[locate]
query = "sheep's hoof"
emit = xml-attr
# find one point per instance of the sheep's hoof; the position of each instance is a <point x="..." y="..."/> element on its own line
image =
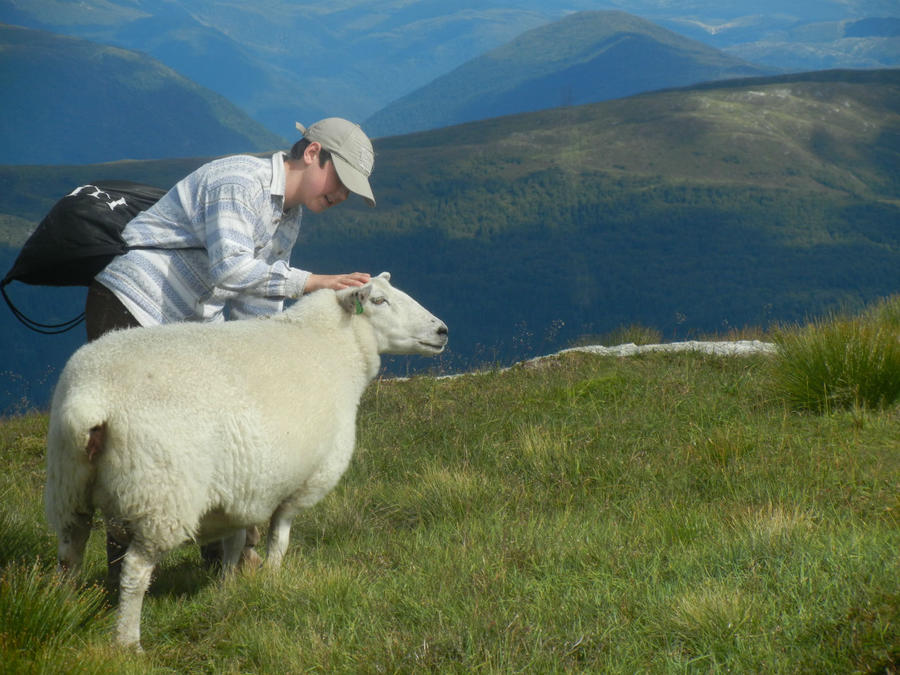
<point x="133" y="646"/>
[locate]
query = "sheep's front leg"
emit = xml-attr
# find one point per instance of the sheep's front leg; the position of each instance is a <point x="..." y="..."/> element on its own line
<point x="279" y="536"/>
<point x="232" y="546"/>
<point x="135" y="579"/>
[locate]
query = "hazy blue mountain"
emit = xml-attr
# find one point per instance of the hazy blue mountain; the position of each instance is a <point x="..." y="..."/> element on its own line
<point x="583" y="58"/>
<point x="694" y="211"/>
<point x="283" y="61"/>
<point x="873" y="27"/>
<point x="72" y="101"/>
<point x="873" y="42"/>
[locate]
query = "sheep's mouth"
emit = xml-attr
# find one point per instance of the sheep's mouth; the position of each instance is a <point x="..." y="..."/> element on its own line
<point x="434" y="347"/>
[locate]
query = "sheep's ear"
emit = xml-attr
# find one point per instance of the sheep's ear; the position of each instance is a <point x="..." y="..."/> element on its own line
<point x="384" y="275"/>
<point x="353" y="299"/>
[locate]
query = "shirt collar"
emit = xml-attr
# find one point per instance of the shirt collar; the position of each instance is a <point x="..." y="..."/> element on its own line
<point x="277" y="187"/>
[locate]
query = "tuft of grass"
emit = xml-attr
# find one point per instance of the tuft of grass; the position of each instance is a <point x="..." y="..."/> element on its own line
<point x="635" y="333"/>
<point x="886" y="313"/>
<point x="40" y="611"/>
<point x="23" y="533"/>
<point x="841" y="362"/>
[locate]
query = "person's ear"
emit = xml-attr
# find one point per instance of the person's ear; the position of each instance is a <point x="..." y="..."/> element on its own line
<point x="311" y="153"/>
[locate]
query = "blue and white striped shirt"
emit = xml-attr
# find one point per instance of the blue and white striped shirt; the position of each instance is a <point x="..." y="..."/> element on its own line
<point x="231" y="212"/>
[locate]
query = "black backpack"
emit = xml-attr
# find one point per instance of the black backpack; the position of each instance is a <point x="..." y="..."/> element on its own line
<point x="80" y="235"/>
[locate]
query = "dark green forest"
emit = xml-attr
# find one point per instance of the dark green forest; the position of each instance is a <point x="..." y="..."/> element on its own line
<point x="695" y="212"/>
<point x="686" y="260"/>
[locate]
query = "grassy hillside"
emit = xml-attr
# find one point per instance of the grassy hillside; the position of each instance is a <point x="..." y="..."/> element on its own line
<point x="693" y="211"/>
<point x="80" y="102"/>
<point x="583" y="58"/>
<point x="660" y="513"/>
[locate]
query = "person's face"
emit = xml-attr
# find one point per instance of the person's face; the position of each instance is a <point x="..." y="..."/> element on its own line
<point x="322" y="188"/>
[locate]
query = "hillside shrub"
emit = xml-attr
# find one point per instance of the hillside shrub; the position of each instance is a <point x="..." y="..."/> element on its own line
<point x="841" y="362"/>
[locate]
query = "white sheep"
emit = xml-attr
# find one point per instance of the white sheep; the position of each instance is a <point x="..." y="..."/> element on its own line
<point x="192" y="432"/>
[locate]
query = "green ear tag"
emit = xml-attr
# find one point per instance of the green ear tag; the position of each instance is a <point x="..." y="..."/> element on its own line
<point x="359" y="307"/>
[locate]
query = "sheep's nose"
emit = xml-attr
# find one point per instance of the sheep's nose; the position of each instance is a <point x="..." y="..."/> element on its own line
<point x="442" y="329"/>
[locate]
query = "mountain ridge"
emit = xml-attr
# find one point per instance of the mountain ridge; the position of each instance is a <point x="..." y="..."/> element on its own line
<point x="302" y="61"/>
<point x="585" y="57"/>
<point x="118" y="104"/>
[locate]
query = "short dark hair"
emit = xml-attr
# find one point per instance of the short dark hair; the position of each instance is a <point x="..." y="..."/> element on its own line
<point x="300" y="147"/>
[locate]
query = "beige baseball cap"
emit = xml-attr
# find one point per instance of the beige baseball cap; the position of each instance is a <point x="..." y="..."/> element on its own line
<point x="351" y="151"/>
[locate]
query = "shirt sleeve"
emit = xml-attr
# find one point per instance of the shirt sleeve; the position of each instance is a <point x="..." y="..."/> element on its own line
<point x="235" y="218"/>
<point x="248" y="307"/>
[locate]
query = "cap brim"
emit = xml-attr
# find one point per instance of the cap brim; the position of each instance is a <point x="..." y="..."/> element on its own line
<point x="352" y="179"/>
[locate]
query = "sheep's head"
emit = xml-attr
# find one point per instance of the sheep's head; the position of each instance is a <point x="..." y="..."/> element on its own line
<point x="402" y="325"/>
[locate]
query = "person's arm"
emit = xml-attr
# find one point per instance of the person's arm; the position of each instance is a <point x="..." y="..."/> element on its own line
<point x="246" y="307"/>
<point x="233" y="217"/>
<point x="335" y="281"/>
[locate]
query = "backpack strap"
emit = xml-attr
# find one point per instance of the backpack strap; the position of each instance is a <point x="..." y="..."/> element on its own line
<point x="36" y="326"/>
<point x="65" y="326"/>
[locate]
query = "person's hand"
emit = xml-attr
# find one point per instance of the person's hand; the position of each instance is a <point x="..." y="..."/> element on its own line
<point x="335" y="281"/>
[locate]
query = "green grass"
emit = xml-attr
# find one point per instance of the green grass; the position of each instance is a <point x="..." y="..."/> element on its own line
<point x="631" y="333"/>
<point x="842" y="361"/>
<point x="666" y="513"/>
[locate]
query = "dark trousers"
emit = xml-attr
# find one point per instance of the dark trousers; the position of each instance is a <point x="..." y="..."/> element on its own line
<point x="104" y="312"/>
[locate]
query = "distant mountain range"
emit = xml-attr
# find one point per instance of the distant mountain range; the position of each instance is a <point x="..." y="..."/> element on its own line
<point x="71" y="101"/>
<point x="873" y="42"/>
<point x="694" y="211"/>
<point x="584" y="58"/>
<point x="283" y="61"/>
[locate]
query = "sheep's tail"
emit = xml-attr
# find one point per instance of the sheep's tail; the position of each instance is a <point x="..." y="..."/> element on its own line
<point x="75" y="440"/>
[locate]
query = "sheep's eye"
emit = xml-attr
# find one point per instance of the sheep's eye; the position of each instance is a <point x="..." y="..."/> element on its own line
<point x="379" y="301"/>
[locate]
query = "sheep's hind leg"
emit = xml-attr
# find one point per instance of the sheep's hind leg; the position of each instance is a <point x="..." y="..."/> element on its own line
<point x="136" y="570"/>
<point x="117" y="540"/>
<point x="72" y="541"/>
